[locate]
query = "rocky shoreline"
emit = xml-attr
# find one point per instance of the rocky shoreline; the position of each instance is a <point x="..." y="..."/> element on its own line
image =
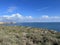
<point x="19" y="35"/>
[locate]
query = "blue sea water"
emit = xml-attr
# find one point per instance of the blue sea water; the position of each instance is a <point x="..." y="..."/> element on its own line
<point x="48" y="25"/>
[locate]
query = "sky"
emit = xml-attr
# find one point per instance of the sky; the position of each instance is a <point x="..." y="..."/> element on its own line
<point x="30" y="10"/>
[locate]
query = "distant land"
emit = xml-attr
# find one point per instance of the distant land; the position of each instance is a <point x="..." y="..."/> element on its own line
<point x="7" y="22"/>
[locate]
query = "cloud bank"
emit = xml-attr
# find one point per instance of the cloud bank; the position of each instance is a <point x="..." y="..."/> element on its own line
<point x="20" y="18"/>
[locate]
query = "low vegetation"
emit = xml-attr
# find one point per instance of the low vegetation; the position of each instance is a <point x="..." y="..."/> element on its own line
<point x="19" y="35"/>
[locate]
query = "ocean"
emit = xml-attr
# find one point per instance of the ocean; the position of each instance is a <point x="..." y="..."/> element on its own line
<point x="44" y="25"/>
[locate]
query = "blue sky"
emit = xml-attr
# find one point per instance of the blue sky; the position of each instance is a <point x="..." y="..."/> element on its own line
<point x="31" y="10"/>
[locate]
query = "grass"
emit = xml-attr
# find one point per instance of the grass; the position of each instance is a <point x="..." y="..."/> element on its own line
<point x="20" y="35"/>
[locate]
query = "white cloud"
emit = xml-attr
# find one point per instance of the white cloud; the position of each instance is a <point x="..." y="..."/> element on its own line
<point x="50" y="17"/>
<point x="42" y="9"/>
<point x="20" y="18"/>
<point x="29" y="17"/>
<point x="11" y="9"/>
<point x="16" y="17"/>
<point x="45" y="16"/>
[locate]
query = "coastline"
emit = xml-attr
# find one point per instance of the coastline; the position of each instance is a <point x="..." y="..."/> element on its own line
<point x="49" y="26"/>
<point x="7" y="22"/>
